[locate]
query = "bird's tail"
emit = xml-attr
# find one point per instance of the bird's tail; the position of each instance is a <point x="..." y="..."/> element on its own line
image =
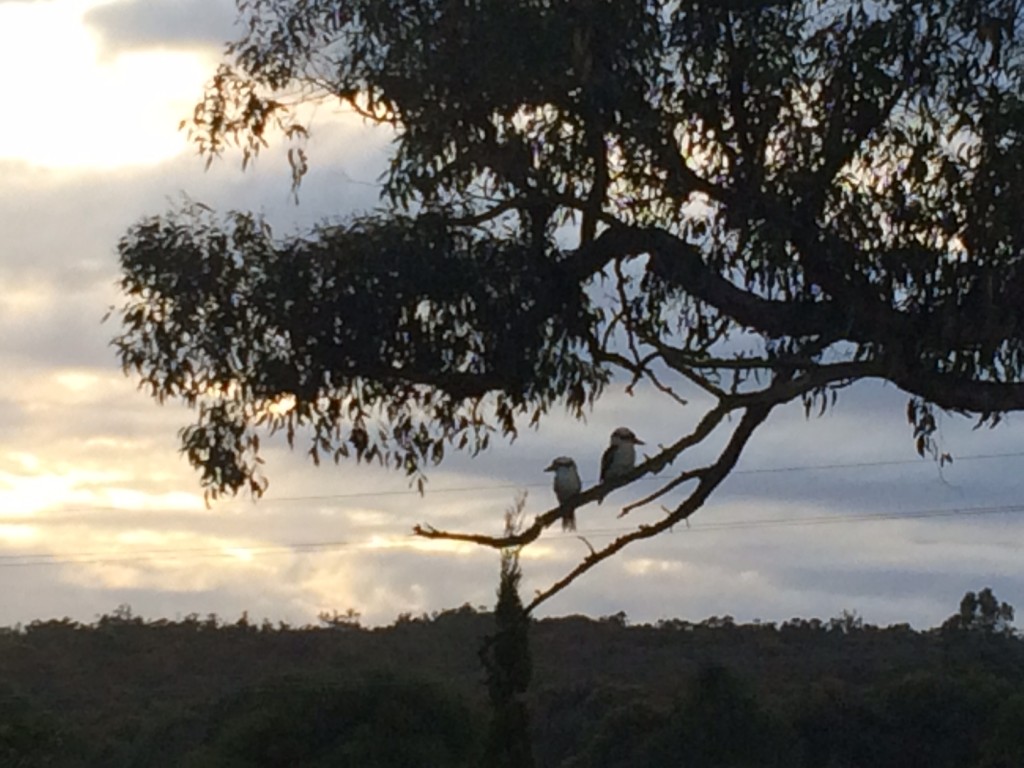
<point x="569" y="520"/>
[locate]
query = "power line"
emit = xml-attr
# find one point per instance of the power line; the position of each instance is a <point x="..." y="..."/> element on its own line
<point x="796" y="522"/>
<point x="650" y="478"/>
<point x="880" y="463"/>
<point x="246" y="552"/>
<point x="516" y="486"/>
<point x="235" y="552"/>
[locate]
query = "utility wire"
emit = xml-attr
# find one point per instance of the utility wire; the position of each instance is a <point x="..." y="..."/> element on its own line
<point x="237" y="552"/>
<point x="790" y="522"/>
<point x="234" y="552"/>
<point x="652" y="478"/>
<point x="516" y="486"/>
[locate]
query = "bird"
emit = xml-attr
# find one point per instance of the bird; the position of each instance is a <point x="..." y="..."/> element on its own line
<point x="620" y="455"/>
<point x="567" y="485"/>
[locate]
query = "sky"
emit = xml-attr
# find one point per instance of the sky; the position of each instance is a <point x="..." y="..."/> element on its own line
<point x="98" y="508"/>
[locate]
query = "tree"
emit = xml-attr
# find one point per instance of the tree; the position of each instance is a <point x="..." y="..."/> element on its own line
<point x="982" y="613"/>
<point x="507" y="661"/>
<point x="349" y="620"/>
<point x="718" y="723"/>
<point x="379" y="723"/>
<point x="31" y="737"/>
<point x="757" y="201"/>
<point x="1003" y="746"/>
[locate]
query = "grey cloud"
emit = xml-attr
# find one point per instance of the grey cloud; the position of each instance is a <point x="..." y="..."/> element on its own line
<point x="134" y="24"/>
<point x="51" y="328"/>
<point x="896" y="584"/>
<point x="13" y="415"/>
<point x="60" y="236"/>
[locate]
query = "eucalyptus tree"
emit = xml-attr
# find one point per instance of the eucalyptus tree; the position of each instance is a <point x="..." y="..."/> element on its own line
<point x="764" y="201"/>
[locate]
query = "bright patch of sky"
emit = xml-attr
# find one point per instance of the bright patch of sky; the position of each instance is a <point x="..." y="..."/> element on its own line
<point x="74" y="107"/>
<point x="97" y="508"/>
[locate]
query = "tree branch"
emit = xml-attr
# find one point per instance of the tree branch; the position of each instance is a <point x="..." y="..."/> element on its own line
<point x="958" y="394"/>
<point x="685" y="477"/>
<point x="780" y="391"/>
<point x="714" y="475"/>
<point x="681" y="263"/>
<point x="652" y="465"/>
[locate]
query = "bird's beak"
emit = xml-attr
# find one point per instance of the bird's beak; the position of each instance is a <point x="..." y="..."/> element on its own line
<point x="638" y="441"/>
<point x="550" y="468"/>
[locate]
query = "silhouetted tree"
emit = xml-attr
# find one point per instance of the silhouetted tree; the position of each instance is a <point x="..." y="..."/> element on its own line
<point x="30" y="738"/>
<point x="382" y="723"/>
<point x="718" y="723"/>
<point x="507" y="660"/>
<point x="1003" y="746"/>
<point x="176" y="694"/>
<point x="620" y="737"/>
<point x="348" y="620"/>
<point x="982" y="613"/>
<point x="934" y="720"/>
<point x="777" y="198"/>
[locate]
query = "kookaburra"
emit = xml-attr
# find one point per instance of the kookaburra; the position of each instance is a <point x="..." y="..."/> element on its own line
<point x="620" y="455"/>
<point x="567" y="485"/>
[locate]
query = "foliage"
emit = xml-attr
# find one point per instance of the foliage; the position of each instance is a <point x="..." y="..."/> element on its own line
<point x="718" y="723"/>
<point x="620" y="737"/>
<point x="764" y="199"/>
<point x="133" y="692"/>
<point x="30" y="738"/>
<point x="379" y="724"/>
<point x="340" y="621"/>
<point x="506" y="659"/>
<point x="1003" y="746"/>
<point x="982" y="613"/>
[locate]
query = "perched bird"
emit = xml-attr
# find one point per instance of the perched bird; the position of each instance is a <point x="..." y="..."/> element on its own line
<point x="620" y="455"/>
<point x="567" y="485"/>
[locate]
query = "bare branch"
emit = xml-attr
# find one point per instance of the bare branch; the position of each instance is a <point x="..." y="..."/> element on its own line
<point x="752" y="418"/>
<point x="665" y="388"/>
<point x="704" y="383"/>
<point x="780" y="391"/>
<point x="511" y="204"/>
<point x="652" y="465"/>
<point x="681" y="360"/>
<point x="685" y="477"/>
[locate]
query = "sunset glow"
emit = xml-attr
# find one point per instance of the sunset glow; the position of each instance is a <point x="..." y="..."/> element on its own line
<point x="100" y="506"/>
<point x="77" y="110"/>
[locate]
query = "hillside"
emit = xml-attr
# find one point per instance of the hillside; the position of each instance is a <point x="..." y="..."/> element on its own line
<point x="128" y="692"/>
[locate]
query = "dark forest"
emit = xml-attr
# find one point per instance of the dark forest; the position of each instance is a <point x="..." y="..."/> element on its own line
<point x="127" y="691"/>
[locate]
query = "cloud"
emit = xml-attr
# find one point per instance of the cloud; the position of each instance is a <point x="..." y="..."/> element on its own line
<point x="81" y="108"/>
<point x="126" y="25"/>
<point x="88" y="464"/>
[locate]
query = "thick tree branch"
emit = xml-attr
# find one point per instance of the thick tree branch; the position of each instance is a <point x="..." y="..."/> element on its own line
<point x="681" y="264"/>
<point x="858" y="320"/>
<point x="957" y="394"/>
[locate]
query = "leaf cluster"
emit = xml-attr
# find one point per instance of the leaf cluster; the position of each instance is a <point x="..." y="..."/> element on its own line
<point x="767" y="200"/>
<point x="414" y="334"/>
